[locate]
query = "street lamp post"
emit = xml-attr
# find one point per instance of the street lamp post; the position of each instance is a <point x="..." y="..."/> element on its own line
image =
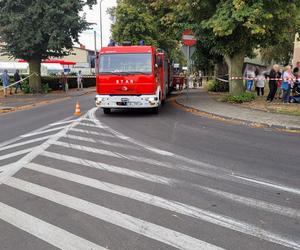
<point x="101" y="38"/>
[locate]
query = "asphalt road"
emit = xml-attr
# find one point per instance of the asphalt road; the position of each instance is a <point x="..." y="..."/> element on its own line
<point x="135" y="180"/>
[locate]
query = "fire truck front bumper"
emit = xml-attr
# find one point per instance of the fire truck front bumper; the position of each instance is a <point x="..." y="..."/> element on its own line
<point x="140" y="101"/>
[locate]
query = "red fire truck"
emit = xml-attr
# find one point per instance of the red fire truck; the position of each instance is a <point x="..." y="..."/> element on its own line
<point x="132" y="77"/>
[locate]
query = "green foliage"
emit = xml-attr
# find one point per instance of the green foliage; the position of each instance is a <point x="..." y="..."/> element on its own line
<point x="245" y="97"/>
<point x="35" y="30"/>
<point x="234" y="28"/>
<point x="151" y="21"/>
<point x="46" y="89"/>
<point x="25" y="87"/>
<point x="41" y="29"/>
<point x="217" y="86"/>
<point x="53" y="82"/>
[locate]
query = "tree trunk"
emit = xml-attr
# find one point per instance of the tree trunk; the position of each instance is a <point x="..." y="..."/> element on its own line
<point x="35" y="82"/>
<point x="235" y="68"/>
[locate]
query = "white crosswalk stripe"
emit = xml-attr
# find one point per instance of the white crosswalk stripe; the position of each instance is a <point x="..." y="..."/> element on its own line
<point x="83" y="131"/>
<point x="43" y="230"/>
<point x="43" y="132"/>
<point x="108" y="168"/>
<point x="153" y="231"/>
<point x="24" y="143"/>
<point x="17" y="153"/>
<point x="113" y="144"/>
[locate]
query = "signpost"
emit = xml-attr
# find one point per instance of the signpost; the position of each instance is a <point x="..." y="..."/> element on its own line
<point x="189" y="40"/>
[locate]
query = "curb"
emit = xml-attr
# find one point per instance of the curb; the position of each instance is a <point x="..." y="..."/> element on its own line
<point x="234" y="120"/>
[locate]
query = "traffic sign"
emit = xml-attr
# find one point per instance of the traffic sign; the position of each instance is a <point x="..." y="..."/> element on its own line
<point x="188" y="38"/>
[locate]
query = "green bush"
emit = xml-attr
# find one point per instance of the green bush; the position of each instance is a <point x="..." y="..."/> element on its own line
<point x="217" y="86"/>
<point x="25" y="86"/>
<point x="46" y="89"/>
<point x="246" y="97"/>
<point x="53" y="82"/>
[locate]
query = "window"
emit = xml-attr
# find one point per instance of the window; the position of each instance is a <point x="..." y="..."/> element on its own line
<point x="126" y="63"/>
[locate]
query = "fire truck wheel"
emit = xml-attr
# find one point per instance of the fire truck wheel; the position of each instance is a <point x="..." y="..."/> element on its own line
<point x="106" y="111"/>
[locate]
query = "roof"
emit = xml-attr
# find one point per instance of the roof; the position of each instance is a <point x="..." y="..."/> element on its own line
<point x="53" y="61"/>
<point x="127" y="49"/>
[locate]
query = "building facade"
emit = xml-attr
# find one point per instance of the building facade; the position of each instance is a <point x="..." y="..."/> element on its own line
<point x="296" y="57"/>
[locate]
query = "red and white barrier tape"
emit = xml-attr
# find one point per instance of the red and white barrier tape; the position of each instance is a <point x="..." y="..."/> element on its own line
<point x="15" y="83"/>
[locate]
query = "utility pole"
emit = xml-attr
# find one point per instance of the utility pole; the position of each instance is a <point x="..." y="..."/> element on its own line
<point x="95" y="41"/>
<point x="101" y="31"/>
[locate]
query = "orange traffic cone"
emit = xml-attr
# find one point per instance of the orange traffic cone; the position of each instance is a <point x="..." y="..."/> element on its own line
<point x="77" y="109"/>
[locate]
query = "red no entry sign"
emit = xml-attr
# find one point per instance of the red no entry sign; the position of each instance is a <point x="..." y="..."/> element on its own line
<point x="188" y="38"/>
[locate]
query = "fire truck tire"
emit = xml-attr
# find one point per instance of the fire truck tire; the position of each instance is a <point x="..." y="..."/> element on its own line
<point x="106" y="111"/>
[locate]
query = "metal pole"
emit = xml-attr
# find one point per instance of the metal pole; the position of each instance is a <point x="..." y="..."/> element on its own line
<point x="95" y="41"/>
<point x="101" y="38"/>
<point x="95" y="58"/>
<point x="188" y="73"/>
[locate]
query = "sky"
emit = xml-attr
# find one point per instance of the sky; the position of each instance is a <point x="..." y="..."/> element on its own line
<point x="93" y="16"/>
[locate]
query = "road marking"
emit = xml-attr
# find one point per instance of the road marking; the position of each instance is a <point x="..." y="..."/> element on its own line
<point x="90" y="125"/>
<point x="170" y="205"/>
<point x="227" y="174"/>
<point x="49" y="233"/>
<point x="114" y="144"/>
<point x="61" y="123"/>
<point x="108" y="168"/>
<point x="42" y="132"/>
<point x="270" y="184"/>
<point x="24" y="143"/>
<point x="142" y="227"/>
<point x="33" y="154"/>
<point x="20" y="138"/>
<point x="87" y="149"/>
<point x="14" y="154"/>
<point x="129" y="157"/>
<point x="91" y="132"/>
<point x="269" y="207"/>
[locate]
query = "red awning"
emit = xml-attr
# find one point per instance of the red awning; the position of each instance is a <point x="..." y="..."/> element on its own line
<point x="62" y="62"/>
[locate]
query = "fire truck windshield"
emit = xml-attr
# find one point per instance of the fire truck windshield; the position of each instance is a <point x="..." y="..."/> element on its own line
<point x="126" y="63"/>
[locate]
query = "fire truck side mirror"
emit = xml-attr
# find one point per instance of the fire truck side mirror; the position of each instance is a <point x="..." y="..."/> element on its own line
<point x="159" y="62"/>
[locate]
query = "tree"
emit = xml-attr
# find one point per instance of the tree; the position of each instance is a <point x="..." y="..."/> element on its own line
<point x="132" y="24"/>
<point x="280" y="53"/>
<point x="35" y="30"/>
<point x="236" y="27"/>
<point x="149" y="20"/>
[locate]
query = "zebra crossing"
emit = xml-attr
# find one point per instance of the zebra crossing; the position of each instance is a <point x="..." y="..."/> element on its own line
<point x="78" y="184"/>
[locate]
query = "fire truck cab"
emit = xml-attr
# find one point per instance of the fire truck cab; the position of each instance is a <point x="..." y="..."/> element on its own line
<point x="131" y="77"/>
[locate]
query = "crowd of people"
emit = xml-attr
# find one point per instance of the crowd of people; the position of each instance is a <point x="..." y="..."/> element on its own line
<point x="282" y="83"/>
<point x="62" y="83"/>
<point x="6" y="82"/>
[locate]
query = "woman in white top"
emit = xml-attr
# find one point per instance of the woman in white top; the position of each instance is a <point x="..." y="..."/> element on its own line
<point x="260" y="84"/>
<point x="288" y="80"/>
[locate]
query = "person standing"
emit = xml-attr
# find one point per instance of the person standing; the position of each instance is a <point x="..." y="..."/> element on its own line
<point x="79" y="81"/>
<point x="5" y="82"/>
<point x="274" y="76"/>
<point x="17" y="80"/>
<point x="296" y="69"/>
<point x="260" y="84"/>
<point x="250" y="76"/>
<point x="287" y="84"/>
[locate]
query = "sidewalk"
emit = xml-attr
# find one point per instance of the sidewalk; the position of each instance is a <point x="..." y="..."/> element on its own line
<point x="25" y="101"/>
<point x="200" y="100"/>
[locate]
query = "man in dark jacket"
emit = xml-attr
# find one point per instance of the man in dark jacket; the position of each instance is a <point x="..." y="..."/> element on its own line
<point x="17" y="79"/>
<point x="274" y="77"/>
